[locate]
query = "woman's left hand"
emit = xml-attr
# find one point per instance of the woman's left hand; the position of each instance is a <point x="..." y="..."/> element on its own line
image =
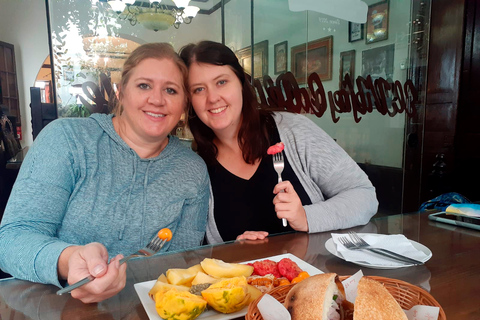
<point x="253" y="235"/>
<point x="289" y="206"/>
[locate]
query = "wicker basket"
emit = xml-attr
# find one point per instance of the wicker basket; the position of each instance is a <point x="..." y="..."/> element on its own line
<point x="406" y="294"/>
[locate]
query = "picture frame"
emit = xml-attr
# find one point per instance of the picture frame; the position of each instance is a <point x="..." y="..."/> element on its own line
<point x="314" y="56"/>
<point x="260" y="56"/>
<point x="378" y="62"/>
<point x="356" y="31"/>
<point x="347" y="65"/>
<point x="280" y="57"/>
<point x="377" y="22"/>
<point x="68" y="74"/>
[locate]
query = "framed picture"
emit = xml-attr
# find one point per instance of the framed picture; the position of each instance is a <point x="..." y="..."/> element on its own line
<point x="355" y="31"/>
<point x="347" y="65"/>
<point x="377" y="22"/>
<point x="280" y="57"/>
<point x="68" y="74"/>
<point x="378" y="62"/>
<point x="314" y="56"/>
<point x="260" y="59"/>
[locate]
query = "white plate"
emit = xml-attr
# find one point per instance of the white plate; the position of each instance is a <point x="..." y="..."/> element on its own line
<point x="330" y="246"/>
<point x="143" y="288"/>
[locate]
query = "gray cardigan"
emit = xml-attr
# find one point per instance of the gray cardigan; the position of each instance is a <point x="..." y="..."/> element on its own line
<point x="342" y="195"/>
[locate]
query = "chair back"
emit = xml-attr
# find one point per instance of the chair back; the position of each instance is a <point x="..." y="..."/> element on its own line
<point x="42" y="113"/>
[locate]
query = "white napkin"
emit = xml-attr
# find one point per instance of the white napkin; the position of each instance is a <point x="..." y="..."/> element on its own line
<point x="397" y="243"/>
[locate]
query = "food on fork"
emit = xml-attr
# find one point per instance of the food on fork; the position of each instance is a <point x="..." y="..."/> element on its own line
<point x="165" y="234"/>
<point x="276" y="148"/>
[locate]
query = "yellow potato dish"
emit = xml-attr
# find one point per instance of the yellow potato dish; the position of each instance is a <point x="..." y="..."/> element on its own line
<point x="179" y="305"/>
<point x="229" y="295"/>
<point x="227" y="290"/>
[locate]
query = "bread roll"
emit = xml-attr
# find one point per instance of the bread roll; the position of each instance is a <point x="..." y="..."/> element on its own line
<point x="375" y="302"/>
<point x="313" y="298"/>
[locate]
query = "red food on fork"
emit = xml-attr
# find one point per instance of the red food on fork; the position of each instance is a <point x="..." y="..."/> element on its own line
<point x="276" y="148"/>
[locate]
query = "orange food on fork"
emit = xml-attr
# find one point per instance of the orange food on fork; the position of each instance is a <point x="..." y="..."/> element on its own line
<point x="165" y="234"/>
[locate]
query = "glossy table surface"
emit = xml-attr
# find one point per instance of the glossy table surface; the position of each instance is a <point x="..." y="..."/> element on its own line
<point x="452" y="275"/>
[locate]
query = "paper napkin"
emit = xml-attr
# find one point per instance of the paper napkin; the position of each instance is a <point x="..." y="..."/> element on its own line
<point x="397" y="243"/>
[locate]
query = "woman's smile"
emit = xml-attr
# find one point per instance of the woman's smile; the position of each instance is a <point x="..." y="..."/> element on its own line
<point x="218" y="110"/>
<point x="216" y="96"/>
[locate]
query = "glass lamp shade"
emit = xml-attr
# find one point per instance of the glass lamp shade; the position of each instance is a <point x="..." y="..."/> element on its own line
<point x="191" y="11"/>
<point x="117" y="6"/>
<point x="181" y="3"/>
<point x="156" y="21"/>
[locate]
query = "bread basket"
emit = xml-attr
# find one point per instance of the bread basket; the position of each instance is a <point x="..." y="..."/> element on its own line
<point x="406" y="294"/>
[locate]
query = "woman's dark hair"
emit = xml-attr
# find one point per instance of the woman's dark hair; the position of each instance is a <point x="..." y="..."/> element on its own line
<point x="253" y="137"/>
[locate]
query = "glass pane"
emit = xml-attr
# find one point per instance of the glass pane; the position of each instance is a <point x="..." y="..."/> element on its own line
<point x="9" y="66"/>
<point x="3" y="78"/>
<point x="2" y="58"/>
<point x="238" y="15"/>
<point x="367" y="115"/>
<point x="86" y="75"/>
<point x="12" y="86"/>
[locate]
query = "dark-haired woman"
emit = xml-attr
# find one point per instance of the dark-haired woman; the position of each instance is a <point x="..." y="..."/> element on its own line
<point x="324" y="189"/>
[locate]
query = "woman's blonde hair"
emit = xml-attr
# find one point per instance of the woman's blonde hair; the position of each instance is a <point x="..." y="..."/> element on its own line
<point x="150" y="50"/>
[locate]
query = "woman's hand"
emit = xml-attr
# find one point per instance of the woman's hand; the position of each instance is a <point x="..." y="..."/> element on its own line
<point x="289" y="206"/>
<point x="92" y="259"/>
<point x="253" y="235"/>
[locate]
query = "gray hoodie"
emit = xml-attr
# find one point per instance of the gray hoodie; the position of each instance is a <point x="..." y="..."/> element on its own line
<point x="81" y="183"/>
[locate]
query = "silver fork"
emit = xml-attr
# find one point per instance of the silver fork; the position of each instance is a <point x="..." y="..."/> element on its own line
<point x="359" y="242"/>
<point x="352" y="246"/>
<point x="278" y="165"/>
<point x="149" y="250"/>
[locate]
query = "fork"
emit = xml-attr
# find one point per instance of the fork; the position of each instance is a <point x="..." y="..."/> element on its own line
<point x="352" y="246"/>
<point x="278" y="165"/>
<point x="359" y="242"/>
<point x="149" y="250"/>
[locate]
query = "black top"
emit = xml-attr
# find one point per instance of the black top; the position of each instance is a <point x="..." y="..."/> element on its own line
<point x="247" y="205"/>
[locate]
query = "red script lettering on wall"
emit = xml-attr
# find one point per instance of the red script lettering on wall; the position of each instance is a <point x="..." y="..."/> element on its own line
<point x="387" y="98"/>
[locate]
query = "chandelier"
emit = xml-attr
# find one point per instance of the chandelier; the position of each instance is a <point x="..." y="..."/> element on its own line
<point x="155" y="16"/>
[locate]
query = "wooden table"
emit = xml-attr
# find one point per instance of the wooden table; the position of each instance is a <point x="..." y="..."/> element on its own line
<point x="452" y="275"/>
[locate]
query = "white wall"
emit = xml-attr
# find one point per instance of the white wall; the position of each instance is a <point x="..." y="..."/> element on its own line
<point x="23" y="23"/>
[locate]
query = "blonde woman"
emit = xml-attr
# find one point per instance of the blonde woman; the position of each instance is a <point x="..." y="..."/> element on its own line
<point x="93" y="189"/>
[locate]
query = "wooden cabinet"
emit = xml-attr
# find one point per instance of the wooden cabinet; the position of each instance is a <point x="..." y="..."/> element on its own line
<point x="8" y="77"/>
